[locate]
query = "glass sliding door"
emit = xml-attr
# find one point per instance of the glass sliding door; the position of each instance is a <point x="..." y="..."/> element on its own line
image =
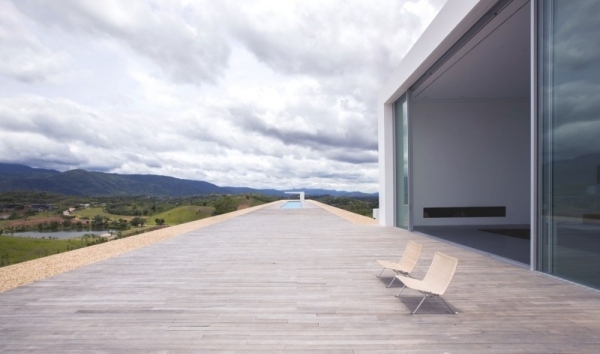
<point x="569" y="140"/>
<point x="401" y="161"/>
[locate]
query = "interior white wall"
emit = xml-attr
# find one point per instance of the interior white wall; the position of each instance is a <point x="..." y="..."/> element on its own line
<point x="471" y="153"/>
<point x="453" y="20"/>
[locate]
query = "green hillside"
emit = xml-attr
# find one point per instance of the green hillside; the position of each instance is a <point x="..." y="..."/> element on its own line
<point x="85" y="183"/>
<point x="182" y="214"/>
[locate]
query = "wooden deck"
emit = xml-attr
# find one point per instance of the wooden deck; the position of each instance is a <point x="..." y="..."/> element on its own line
<point x="293" y="280"/>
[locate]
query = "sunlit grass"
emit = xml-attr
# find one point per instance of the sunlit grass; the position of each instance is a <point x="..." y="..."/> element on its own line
<point x="182" y="214"/>
<point x="15" y="249"/>
<point x="91" y="212"/>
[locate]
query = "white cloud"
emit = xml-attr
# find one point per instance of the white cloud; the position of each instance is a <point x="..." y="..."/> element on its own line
<point x="185" y="42"/>
<point x="264" y="94"/>
<point x="22" y="55"/>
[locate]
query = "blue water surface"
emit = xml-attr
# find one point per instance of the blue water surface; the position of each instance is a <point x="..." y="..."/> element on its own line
<point x="292" y="205"/>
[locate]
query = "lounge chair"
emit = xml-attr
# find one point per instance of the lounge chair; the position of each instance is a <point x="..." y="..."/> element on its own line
<point x="436" y="280"/>
<point x="407" y="262"/>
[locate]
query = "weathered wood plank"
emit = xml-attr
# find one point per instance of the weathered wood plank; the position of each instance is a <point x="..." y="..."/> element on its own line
<point x="299" y="281"/>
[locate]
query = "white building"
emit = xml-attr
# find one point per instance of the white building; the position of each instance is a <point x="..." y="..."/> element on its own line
<point x="492" y="122"/>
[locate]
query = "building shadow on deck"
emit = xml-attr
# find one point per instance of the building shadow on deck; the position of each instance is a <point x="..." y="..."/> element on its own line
<point x="507" y="241"/>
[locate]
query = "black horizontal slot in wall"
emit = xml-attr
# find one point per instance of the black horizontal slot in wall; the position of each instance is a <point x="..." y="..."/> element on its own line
<point x="464" y="212"/>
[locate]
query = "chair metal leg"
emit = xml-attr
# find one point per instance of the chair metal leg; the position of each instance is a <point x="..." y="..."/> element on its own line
<point x="401" y="291"/>
<point x="420" y="303"/>
<point x="392" y="282"/>
<point x="379" y="276"/>
<point x="450" y="308"/>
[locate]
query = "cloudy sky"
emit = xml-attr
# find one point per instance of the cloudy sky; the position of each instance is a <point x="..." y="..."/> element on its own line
<point x="263" y="94"/>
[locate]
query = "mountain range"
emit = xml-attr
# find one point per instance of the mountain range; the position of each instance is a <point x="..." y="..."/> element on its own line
<point x="88" y="183"/>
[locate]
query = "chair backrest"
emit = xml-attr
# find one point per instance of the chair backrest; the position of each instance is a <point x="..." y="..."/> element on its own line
<point x="440" y="273"/>
<point x="410" y="256"/>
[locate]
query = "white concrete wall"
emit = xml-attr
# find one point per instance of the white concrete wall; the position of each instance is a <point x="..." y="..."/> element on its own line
<point x="453" y="20"/>
<point x="385" y="137"/>
<point x="471" y="154"/>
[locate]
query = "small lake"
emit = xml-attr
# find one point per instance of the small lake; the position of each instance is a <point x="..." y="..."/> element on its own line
<point x="57" y="234"/>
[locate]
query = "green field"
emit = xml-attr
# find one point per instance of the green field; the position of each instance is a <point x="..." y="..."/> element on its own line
<point x="29" y="218"/>
<point x="20" y="249"/>
<point x="91" y="212"/>
<point x="178" y="215"/>
<point x="182" y="214"/>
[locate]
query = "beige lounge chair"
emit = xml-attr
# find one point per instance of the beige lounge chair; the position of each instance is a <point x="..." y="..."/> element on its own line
<point x="436" y="280"/>
<point x="407" y="262"/>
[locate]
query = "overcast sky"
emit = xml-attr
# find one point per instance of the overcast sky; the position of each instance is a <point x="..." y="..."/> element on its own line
<point x="264" y="94"/>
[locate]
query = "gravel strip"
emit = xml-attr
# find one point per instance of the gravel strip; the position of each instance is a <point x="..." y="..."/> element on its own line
<point x="15" y="275"/>
<point x="354" y="218"/>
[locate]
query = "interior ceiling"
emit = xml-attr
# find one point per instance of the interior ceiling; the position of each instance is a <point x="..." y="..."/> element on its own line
<point x="495" y="64"/>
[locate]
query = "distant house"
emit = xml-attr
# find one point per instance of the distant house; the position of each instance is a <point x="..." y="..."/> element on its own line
<point x="492" y="120"/>
<point x="69" y="211"/>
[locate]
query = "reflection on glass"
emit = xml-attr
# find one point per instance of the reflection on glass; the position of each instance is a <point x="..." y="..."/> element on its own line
<point x="401" y="160"/>
<point x="569" y="102"/>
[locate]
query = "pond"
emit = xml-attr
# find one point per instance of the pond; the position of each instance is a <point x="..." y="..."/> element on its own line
<point x="59" y="234"/>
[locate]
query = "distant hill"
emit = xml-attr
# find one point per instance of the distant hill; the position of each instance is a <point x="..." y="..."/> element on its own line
<point x="9" y="171"/>
<point x="245" y="190"/>
<point x="307" y="192"/>
<point x="578" y="173"/>
<point x="335" y="193"/>
<point x="85" y="183"/>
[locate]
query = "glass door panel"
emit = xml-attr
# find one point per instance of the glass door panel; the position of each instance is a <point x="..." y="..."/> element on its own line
<point x="401" y="161"/>
<point x="569" y="131"/>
